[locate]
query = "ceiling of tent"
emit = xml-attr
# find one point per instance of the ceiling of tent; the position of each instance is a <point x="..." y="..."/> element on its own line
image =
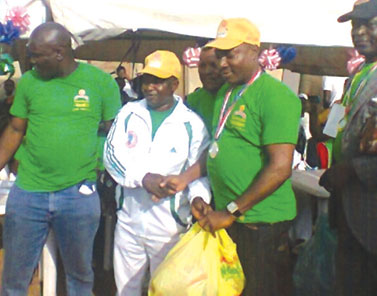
<point x="116" y="30"/>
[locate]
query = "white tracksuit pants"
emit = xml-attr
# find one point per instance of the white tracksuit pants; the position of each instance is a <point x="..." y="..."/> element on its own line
<point x="132" y="257"/>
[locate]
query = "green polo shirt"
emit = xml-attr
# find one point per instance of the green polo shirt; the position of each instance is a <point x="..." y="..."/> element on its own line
<point x="267" y="113"/>
<point x="61" y="142"/>
<point x="202" y="102"/>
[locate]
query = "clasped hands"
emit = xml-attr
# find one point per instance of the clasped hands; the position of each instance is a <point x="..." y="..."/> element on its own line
<point x="160" y="186"/>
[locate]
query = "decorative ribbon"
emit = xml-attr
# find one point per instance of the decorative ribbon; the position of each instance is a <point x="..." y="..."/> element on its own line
<point x="353" y="64"/>
<point x="271" y="59"/>
<point x="8" y="32"/>
<point x="20" y="18"/>
<point x="191" y="56"/>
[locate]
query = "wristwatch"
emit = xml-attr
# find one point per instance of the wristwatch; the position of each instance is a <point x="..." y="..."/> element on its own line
<point x="232" y="208"/>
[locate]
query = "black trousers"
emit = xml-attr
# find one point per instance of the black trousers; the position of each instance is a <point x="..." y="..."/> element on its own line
<point x="356" y="268"/>
<point x="264" y="253"/>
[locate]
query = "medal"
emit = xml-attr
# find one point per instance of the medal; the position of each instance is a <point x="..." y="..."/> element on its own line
<point x="213" y="150"/>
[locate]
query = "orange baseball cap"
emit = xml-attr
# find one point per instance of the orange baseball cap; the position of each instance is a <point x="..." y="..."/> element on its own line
<point x="163" y="64"/>
<point x="233" y="32"/>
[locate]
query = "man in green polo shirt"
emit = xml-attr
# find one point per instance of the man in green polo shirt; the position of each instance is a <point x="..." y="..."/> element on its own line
<point x="256" y="121"/>
<point x="202" y="101"/>
<point x="57" y="110"/>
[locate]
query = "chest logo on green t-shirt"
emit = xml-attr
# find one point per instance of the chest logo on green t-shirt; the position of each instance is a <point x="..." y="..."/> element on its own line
<point x="238" y="118"/>
<point x="81" y="101"/>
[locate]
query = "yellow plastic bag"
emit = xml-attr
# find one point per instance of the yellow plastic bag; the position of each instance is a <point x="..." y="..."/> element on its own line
<point x="199" y="265"/>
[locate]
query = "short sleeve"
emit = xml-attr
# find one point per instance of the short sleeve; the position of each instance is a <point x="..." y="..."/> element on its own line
<point x="280" y="116"/>
<point x="111" y="98"/>
<point x="20" y="104"/>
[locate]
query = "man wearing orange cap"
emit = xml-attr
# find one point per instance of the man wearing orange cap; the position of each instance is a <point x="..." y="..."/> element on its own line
<point x="352" y="179"/>
<point x="256" y="121"/>
<point x="150" y="139"/>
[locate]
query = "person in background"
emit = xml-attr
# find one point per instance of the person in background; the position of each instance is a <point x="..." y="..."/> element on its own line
<point x="150" y="139"/>
<point x="299" y="156"/>
<point x="332" y="90"/>
<point x="250" y="159"/>
<point x="9" y="171"/>
<point x="123" y="96"/>
<point x="352" y="178"/>
<point x="124" y="82"/>
<point x="9" y="88"/>
<point x="58" y="107"/>
<point x="202" y="100"/>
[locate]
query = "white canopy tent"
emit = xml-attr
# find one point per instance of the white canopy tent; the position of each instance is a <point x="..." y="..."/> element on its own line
<point x="293" y="21"/>
<point x="109" y="29"/>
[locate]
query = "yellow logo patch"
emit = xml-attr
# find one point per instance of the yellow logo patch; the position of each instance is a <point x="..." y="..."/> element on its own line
<point x="81" y="101"/>
<point x="238" y="118"/>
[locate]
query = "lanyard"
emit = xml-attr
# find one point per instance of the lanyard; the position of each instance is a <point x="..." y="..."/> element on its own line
<point x="224" y="117"/>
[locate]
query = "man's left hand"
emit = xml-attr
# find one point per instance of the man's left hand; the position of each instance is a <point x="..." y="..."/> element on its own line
<point x="151" y="183"/>
<point x="216" y="220"/>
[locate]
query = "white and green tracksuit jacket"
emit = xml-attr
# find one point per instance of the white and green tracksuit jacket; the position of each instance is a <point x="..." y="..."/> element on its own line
<point x="130" y="153"/>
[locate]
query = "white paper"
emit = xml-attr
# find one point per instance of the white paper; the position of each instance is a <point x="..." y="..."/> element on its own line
<point x="336" y="114"/>
<point x="307" y="181"/>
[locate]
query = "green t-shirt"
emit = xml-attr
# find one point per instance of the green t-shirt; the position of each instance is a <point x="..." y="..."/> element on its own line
<point x="157" y="117"/>
<point x="268" y="112"/>
<point x="60" y="145"/>
<point x="100" y="147"/>
<point x="202" y="102"/>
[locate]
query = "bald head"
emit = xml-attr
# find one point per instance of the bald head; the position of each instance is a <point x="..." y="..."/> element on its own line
<point x="51" y="33"/>
<point x="50" y="51"/>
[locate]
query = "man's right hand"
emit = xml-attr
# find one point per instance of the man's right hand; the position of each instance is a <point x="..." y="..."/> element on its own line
<point x="173" y="184"/>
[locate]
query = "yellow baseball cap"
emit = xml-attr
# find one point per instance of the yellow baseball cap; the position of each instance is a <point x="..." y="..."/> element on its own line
<point x="163" y="64"/>
<point x="233" y="32"/>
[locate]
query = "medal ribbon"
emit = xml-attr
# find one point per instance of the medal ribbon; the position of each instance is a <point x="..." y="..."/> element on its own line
<point x="224" y="117"/>
<point x="348" y="102"/>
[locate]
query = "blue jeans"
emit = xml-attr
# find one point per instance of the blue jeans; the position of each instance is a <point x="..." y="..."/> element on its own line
<point x="72" y="216"/>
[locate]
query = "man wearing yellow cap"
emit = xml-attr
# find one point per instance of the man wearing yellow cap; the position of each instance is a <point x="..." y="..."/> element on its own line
<point x="255" y="129"/>
<point x="150" y="139"/>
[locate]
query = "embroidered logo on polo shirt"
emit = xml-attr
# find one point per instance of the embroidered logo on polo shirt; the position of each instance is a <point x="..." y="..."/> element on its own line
<point x="131" y="139"/>
<point x="173" y="150"/>
<point x="240" y="112"/>
<point x="238" y="118"/>
<point x="81" y="101"/>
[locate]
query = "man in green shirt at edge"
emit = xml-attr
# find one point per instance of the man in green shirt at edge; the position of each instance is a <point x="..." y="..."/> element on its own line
<point x="58" y="107"/>
<point x="249" y="161"/>
<point x="202" y="100"/>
